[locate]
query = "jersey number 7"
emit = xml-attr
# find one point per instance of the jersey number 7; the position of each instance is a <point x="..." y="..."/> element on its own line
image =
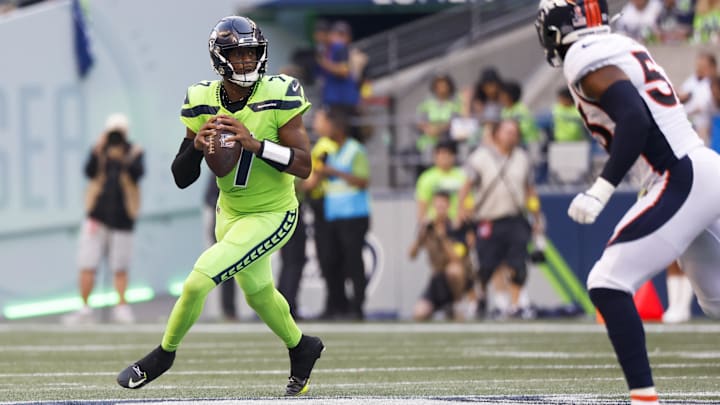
<point x="243" y="168"/>
<point x="662" y="92"/>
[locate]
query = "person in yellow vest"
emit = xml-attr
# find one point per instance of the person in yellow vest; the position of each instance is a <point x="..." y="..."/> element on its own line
<point x="315" y="187"/>
<point x="346" y="173"/>
<point x="112" y="202"/>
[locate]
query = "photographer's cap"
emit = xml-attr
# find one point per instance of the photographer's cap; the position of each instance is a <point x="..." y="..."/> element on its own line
<point x="117" y="121"/>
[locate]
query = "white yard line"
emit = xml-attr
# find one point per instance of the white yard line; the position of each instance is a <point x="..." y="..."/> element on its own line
<point x="402" y="400"/>
<point x="363" y="370"/>
<point x="395" y="327"/>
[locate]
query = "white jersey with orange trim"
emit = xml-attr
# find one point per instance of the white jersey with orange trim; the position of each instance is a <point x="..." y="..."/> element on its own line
<point x="672" y="136"/>
<point x="679" y="217"/>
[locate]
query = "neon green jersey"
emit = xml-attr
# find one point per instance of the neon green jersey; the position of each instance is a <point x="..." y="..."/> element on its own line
<point x="433" y="180"/>
<point x="254" y="185"/>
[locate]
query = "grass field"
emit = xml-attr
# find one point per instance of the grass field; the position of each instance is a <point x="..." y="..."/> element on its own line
<point x="374" y="363"/>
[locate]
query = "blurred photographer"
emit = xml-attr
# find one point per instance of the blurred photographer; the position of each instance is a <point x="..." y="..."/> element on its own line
<point x="450" y="286"/>
<point x="114" y="169"/>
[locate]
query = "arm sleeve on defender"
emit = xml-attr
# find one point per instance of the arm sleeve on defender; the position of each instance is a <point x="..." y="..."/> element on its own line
<point x="627" y="109"/>
<point x="186" y="166"/>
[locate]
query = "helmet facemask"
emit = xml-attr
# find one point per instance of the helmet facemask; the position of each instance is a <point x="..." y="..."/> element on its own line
<point x="550" y="38"/>
<point x="239" y="76"/>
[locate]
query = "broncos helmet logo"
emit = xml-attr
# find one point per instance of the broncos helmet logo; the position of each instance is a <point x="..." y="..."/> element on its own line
<point x="559" y="23"/>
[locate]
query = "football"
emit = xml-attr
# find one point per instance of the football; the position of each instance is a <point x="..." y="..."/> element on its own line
<point x="220" y="154"/>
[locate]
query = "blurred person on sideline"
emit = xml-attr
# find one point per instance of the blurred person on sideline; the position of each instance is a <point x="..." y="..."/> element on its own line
<point x="443" y="175"/>
<point x="112" y="201"/>
<point x="696" y="95"/>
<point x="680" y="295"/>
<point x="638" y="17"/>
<point x="450" y="282"/>
<point x="227" y="290"/>
<point x="257" y="208"/>
<point x="675" y="22"/>
<point x="305" y="58"/>
<point x="434" y="115"/>
<point x="706" y="24"/>
<point x="292" y="256"/>
<point x="346" y="173"/>
<point x="567" y="122"/>
<point x="531" y="138"/>
<point x="514" y="109"/>
<point x="340" y="87"/>
<point x="485" y="104"/>
<point x="500" y="179"/>
<point x="315" y="189"/>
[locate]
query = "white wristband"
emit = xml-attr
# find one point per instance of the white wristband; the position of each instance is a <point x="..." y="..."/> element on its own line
<point x="276" y="153"/>
<point x="602" y="190"/>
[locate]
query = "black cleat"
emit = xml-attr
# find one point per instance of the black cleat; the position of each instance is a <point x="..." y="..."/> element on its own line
<point x="302" y="361"/>
<point x="297" y="386"/>
<point x="146" y="369"/>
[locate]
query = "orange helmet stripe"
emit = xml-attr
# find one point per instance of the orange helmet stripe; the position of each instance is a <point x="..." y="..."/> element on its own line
<point x="593" y="13"/>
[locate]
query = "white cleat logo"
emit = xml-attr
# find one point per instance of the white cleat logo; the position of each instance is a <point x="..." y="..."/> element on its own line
<point x="134" y="384"/>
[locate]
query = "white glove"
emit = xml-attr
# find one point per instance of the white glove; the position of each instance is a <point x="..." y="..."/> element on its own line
<point x="586" y="207"/>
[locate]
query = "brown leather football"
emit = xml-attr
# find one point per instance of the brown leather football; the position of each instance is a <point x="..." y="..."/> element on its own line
<point x="221" y="155"/>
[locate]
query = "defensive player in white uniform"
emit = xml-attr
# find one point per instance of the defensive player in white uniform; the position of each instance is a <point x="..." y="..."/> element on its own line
<point x="630" y="106"/>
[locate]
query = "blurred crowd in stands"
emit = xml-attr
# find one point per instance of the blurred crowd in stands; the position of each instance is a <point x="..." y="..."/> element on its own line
<point x="671" y="21"/>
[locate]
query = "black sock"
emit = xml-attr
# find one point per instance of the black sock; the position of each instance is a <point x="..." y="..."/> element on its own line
<point x="625" y="330"/>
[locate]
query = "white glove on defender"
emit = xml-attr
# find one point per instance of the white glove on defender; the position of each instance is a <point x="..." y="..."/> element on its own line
<point x="586" y="207"/>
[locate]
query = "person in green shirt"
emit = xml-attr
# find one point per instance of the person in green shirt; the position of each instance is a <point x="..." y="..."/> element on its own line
<point x="567" y="122"/>
<point x="257" y="208"/>
<point x="706" y="24"/>
<point x="443" y="175"/>
<point x="516" y="110"/>
<point x="434" y="115"/>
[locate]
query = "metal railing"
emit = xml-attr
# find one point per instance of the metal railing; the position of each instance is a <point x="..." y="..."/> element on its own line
<point x="440" y="33"/>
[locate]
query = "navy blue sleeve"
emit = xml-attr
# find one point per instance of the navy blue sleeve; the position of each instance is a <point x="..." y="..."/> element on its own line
<point x="622" y="102"/>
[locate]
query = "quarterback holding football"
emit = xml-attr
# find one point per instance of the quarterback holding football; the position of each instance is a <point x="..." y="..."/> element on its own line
<point x="248" y="126"/>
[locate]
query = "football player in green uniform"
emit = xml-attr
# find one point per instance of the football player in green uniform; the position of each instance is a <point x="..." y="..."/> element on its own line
<point x="257" y="208"/>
